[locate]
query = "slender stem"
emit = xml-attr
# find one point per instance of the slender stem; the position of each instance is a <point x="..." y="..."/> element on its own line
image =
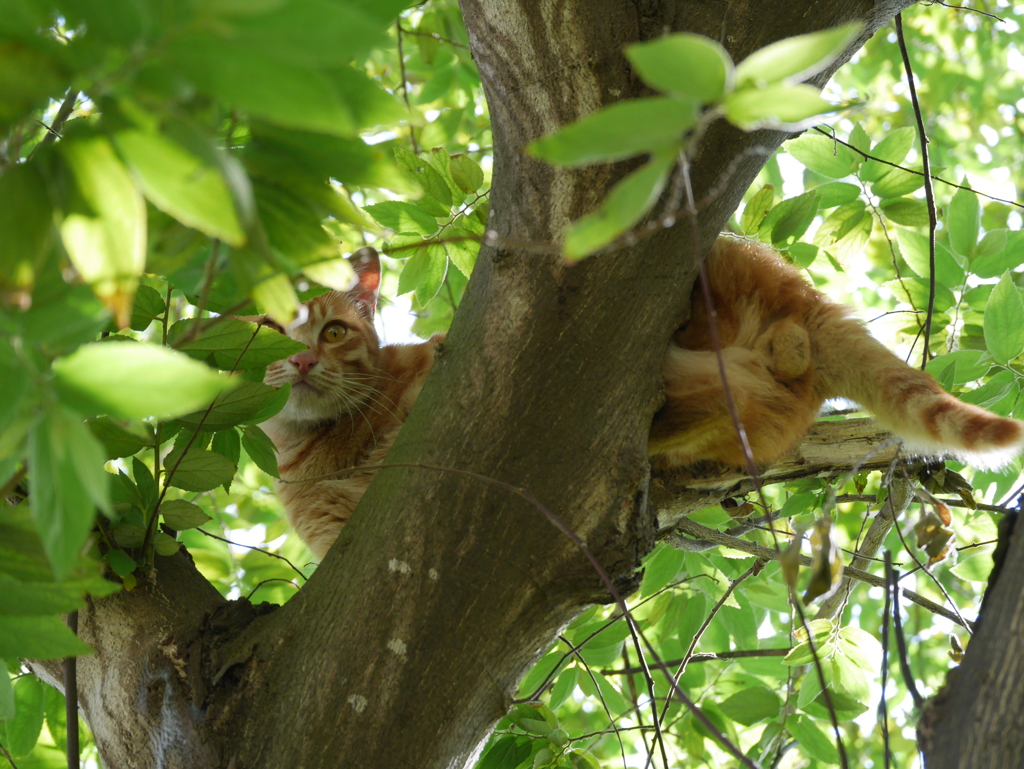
<point x="53" y="130"/>
<point x="929" y="192"/>
<point x="71" y="699"/>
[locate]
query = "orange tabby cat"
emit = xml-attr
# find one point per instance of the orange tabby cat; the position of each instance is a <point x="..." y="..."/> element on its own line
<point x="785" y="345"/>
<point x="349" y="398"/>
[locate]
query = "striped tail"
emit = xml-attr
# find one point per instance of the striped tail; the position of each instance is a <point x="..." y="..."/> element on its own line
<point x="907" y="401"/>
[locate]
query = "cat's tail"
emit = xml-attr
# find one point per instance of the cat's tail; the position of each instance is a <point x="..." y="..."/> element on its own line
<point x="905" y="400"/>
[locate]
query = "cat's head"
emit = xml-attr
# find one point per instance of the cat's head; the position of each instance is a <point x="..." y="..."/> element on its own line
<point x="334" y="376"/>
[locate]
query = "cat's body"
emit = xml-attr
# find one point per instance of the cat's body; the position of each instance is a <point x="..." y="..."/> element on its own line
<point x="786" y="348"/>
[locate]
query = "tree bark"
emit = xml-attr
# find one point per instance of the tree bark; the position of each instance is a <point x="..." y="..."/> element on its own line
<point x="977" y="718"/>
<point x="407" y="644"/>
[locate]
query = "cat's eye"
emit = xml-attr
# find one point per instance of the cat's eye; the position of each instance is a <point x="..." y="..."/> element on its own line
<point x="333" y="332"/>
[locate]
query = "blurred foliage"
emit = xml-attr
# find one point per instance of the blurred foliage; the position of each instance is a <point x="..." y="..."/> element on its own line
<point x="222" y="158"/>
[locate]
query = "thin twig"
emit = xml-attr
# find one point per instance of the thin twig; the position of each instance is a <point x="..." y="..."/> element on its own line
<point x="929" y="193"/>
<point x="8" y="756"/>
<point x="254" y="547"/>
<point x="708" y="657"/>
<point x="892" y="578"/>
<point x="71" y="700"/>
<point x="53" y="130"/>
<point x="954" y="185"/>
<point x="703" y="532"/>
<point x="600" y="696"/>
<point x="405" y="88"/>
<point x="169" y="475"/>
<point x="733" y="584"/>
<point x="883" y="703"/>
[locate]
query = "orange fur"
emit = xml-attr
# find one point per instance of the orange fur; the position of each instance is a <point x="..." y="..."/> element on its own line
<point x="786" y="349"/>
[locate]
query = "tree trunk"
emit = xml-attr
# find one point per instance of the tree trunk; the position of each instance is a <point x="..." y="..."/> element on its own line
<point x="407" y="644"/>
<point x="977" y="719"/>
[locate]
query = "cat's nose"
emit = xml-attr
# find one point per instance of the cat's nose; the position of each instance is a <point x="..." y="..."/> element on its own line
<point x="303" y="361"/>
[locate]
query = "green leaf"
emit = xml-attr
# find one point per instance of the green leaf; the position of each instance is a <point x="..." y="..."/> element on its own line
<point x="836" y="194"/>
<point x="909" y="212"/>
<point x="56" y="717"/>
<point x="801" y="654"/>
<point x="182" y="184"/>
<point x="146" y="484"/>
<point x="625" y="205"/>
<point x="67" y="484"/>
<point x="23" y="730"/>
<point x="757" y="208"/>
<point x="620" y="131"/>
<point x="403" y="217"/>
<point x="790" y="219"/>
<point x="117" y="441"/>
<point x="260" y="449"/>
<point x="245" y="403"/>
<point x="563" y="687"/>
<point x="777" y="106"/>
<point x="26" y="219"/>
<point x="433" y="279"/>
<point x="796" y="59"/>
<point x="234" y="344"/>
<point x="861" y="648"/>
<point x="749" y="706"/>
<point x="122" y="563"/>
<point x="18" y="598"/>
<point x="687" y="65"/>
<point x="280" y="92"/>
<point x="998" y="252"/>
<point x="897" y="182"/>
<point x="914" y="250"/>
<point x="660" y="569"/>
<point x="105" y="233"/>
<point x="132" y="380"/>
<point x="227" y="443"/>
<point x="893" y="148"/>
<point x="466" y="173"/>
<point x="39" y="638"/>
<point x="812" y="739"/>
<point x="505" y="753"/>
<point x="148" y="307"/>
<point x="180" y="514"/>
<point x="419" y="269"/>
<point x="463" y="253"/>
<point x="6" y="695"/>
<point x="1004" y="321"/>
<point x="963" y="220"/>
<point x="823" y="155"/>
<point x="201" y="471"/>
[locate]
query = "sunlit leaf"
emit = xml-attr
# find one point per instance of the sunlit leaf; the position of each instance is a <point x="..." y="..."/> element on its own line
<point x="963" y="220"/>
<point x="182" y="184"/>
<point x="625" y="205"/>
<point x="823" y="155"/>
<point x="778" y="106"/>
<point x="131" y="380"/>
<point x="624" y="129"/>
<point x="687" y="65"/>
<point x="23" y="730"/>
<point x="68" y="483"/>
<point x="26" y="220"/>
<point x="1004" y="321"/>
<point x="105" y="234"/>
<point x="796" y="58"/>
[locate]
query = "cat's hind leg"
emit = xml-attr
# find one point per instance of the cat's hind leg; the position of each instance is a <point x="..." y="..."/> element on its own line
<point x="695" y="423"/>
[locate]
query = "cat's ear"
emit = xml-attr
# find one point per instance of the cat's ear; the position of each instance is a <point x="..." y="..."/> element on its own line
<point x="366" y="263"/>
